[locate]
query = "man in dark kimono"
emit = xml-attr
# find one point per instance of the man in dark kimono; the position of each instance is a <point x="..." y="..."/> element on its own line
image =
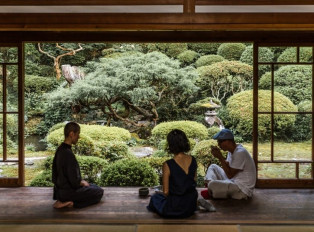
<point x="69" y="188"/>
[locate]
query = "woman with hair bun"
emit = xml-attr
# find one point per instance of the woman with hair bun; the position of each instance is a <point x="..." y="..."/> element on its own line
<point x="178" y="198"/>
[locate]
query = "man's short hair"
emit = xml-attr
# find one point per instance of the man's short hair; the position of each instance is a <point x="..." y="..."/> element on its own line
<point x="71" y="126"/>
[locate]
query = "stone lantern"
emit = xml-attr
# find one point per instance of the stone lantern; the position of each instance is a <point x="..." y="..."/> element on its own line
<point x="211" y="114"/>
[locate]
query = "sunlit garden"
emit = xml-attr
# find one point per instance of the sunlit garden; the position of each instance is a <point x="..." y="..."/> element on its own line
<point x="128" y="97"/>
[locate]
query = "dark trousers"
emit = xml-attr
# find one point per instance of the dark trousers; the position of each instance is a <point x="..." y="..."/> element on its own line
<point x="82" y="197"/>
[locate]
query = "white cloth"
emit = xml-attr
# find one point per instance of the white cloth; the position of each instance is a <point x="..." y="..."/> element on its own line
<point x="244" y="179"/>
<point x="222" y="187"/>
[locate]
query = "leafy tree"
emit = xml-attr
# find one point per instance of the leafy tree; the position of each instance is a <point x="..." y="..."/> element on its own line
<point x="208" y="60"/>
<point x="170" y="49"/>
<point x="204" y="48"/>
<point x="231" y="51"/>
<point x="264" y="55"/>
<point x="293" y="81"/>
<point x="130" y="89"/>
<point x="290" y="55"/>
<point x="224" y="78"/>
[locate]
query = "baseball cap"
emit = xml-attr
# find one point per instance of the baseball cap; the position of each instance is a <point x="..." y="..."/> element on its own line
<point x="224" y="134"/>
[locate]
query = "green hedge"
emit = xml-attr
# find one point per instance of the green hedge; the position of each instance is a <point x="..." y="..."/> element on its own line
<point x="290" y="55"/>
<point x="129" y="172"/>
<point x="92" y="139"/>
<point x="231" y="51"/>
<point x="192" y="129"/>
<point x="114" y="150"/>
<point x="170" y="49"/>
<point x="188" y="57"/>
<point x="293" y="81"/>
<point x="208" y="60"/>
<point x="240" y="114"/>
<point x="264" y="55"/>
<point x="204" y="48"/>
<point x="90" y="167"/>
<point x="202" y="153"/>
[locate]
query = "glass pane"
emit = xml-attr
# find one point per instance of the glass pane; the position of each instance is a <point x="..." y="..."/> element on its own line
<point x="265" y="55"/>
<point x="1" y="137"/>
<point x="288" y="55"/>
<point x="12" y="136"/>
<point x="292" y="151"/>
<point x="305" y="171"/>
<point x="12" y="88"/>
<point x="9" y="170"/>
<point x="277" y="51"/>
<point x="275" y="170"/>
<point x="264" y="100"/>
<point x="294" y="82"/>
<point x="306" y="54"/>
<point x="264" y="77"/>
<point x="8" y="55"/>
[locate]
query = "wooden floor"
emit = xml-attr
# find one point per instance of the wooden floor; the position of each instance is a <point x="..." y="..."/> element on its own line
<point x="122" y="207"/>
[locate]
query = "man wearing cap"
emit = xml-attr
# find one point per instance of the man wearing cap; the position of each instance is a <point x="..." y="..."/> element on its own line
<point x="236" y="179"/>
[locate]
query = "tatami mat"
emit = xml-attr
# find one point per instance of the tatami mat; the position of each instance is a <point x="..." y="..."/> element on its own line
<point x="274" y="228"/>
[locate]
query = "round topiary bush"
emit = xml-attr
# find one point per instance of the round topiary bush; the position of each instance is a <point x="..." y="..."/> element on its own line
<point x="293" y="81"/>
<point x="224" y="78"/>
<point x="129" y="172"/>
<point x="203" y="155"/>
<point x="302" y="128"/>
<point x="264" y="55"/>
<point x="208" y="60"/>
<point x="240" y="112"/>
<point x="38" y="84"/>
<point x="90" y="167"/>
<point x="42" y="180"/>
<point x="85" y="145"/>
<point x="192" y="129"/>
<point x="90" y="136"/>
<point x="204" y="48"/>
<point x="114" y="150"/>
<point x="290" y="55"/>
<point x="212" y="131"/>
<point x="170" y="49"/>
<point x="188" y="57"/>
<point x="231" y="51"/>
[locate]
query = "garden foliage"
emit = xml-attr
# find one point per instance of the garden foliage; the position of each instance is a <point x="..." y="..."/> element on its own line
<point x="129" y="172"/>
<point x="208" y="60"/>
<point x="239" y="112"/>
<point x="231" y="51"/>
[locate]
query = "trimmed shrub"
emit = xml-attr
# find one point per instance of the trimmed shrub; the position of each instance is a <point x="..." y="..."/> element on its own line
<point x="208" y="60"/>
<point x="85" y="145"/>
<point x="170" y="49"/>
<point x="188" y="57"/>
<point x="192" y="129"/>
<point x="231" y="51"/>
<point x="90" y="167"/>
<point x="290" y="55"/>
<point x="202" y="153"/>
<point x="38" y="84"/>
<point x="91" y="139"/>
<point x="212" y="131"/>
<point x="264" y="55"/>
<point x="156" y="163"/>
<point x="225" y="78"/>
<point x="240" y="113"/>
<point x="302" y="128"/>
<point x="42" y="180"/>
<point x="293" y="81"/>
<point x="204" y="48"/>
<point x="129" y="172"/>
<point x="114" y="150"/>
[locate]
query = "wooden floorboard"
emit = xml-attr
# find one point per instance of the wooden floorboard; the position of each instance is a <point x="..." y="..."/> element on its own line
<point x="123" y="206"/>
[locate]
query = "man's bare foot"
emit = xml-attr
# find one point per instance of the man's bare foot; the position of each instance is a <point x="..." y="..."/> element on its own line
<point x="59" y="204"/>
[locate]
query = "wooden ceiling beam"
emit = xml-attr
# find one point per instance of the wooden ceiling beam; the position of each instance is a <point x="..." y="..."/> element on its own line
<point x="87" y="2"/>
<point x="254" y="2"/>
